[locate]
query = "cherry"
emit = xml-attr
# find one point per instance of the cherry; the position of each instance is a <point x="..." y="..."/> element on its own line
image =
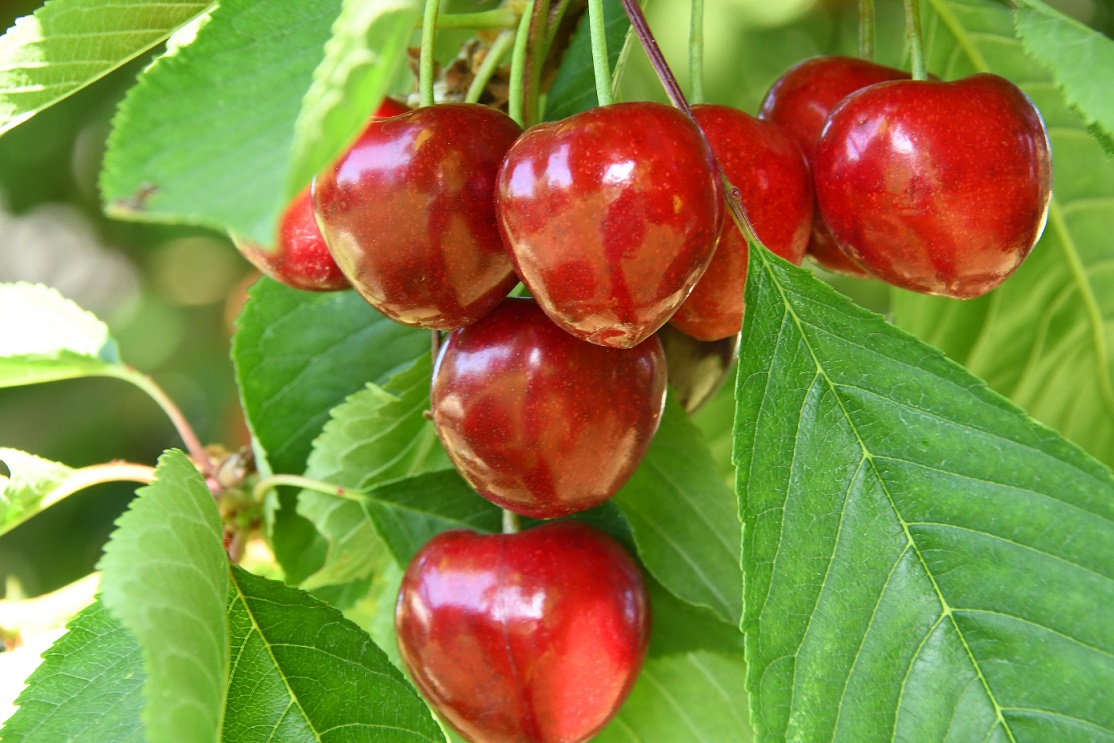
<point x="408" y="214"/>
<point x="767" y="166"/>
<point x="800" y="102"/>
<point x="696" y="369"/>
<point x="937" y="187"/>
<point x="534" y="637"/>
<point x="300" y="258"/>
<point x="540" y="422"/>
<point x="611" y="216"/>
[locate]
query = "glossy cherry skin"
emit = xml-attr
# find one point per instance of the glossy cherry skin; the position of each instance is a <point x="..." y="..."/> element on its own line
<point x="770" y="171"/>
<point x="408" y="214"/>
<point x="696" y="369"/>
<point x="538" y="421"/>
<point x="800" y="102"/>
<point x="534" y="637"/>
<point x="611" y="216"/>
<point x="941" y="188"/>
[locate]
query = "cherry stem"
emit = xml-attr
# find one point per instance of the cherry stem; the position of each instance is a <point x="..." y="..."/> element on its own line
<point x="259" y="492"/>
<point x="915" y="40"/>
<point x="497" y="18"/>
<point x="677" y="98"/>
<point x="696" y="51"/>
<point x="98" y="474"/>
<point x="425" y="61"/>
<point x="511" y="523"/>
<point x="556" y="13"/>
<point x="866" y="30"/>
<point x="517" y="95"/>
<point x="599" y="52"/>
<point x="200" y="457"/>
<point x="487" y="68"/>
<point x="532" y="74"/>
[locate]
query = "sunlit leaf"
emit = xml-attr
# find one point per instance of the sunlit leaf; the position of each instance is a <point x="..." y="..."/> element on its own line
<point x="23" y="492"/>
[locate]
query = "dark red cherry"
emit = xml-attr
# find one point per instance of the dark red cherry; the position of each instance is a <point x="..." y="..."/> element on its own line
<point x="535" y="637"/>
<point x="611" y="216"/>
<point x="767" y="167"/>
<point x="937" y="187"/>
<point x="799" y="102"/>
<point x="408" y="214"/>
<point x="538" y="421"/>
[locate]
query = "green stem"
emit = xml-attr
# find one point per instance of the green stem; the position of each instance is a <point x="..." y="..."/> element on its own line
<point x="297" y="481"/>
<point x="516" y="96"/>
<point x="425" y="61"/>
<point x="866" y="30"/>
<point x="511" y="523"/>
<point x="535" y="59"/>
<point x="915" y="39"/>
<point x="97" y="474"/>
<point x="495" y="54"/>
<point x="696" y="52"/>
<point x="497" y="18"/>
<point x="599" y="52"/>
<point x="193" y="445"/>
<point x="556" y="13"/>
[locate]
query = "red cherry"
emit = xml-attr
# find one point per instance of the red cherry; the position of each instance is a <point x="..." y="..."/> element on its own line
<point x="610" y="217"/>
<point x="300" y="258"/>
<point x="535" y="637"/>
<point x="408" y="214"/>
<point x="800" y="102"/>
<point x="941" y="188"/>
<point x="767" y="167"/>
<point x="540" y="422"/>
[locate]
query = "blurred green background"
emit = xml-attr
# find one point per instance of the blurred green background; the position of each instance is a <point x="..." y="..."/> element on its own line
<point x="169" y="294"/>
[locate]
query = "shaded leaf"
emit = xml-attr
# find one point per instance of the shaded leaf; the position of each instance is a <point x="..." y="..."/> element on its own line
<point x="367" y="50"/>
<point x="1043" y="338"/>
<point x="89" y="686"/>
<point x="166" y="580"/>
<point x="574" y="87"/>
<point x="1072" y="53"/>
<point x="205" y="135"/>
<point x="45" y="337"/>
<point x="304" y="672"/>
<point x="684" y="518"/>
<point x="68" y="44"/>
<point x="22" y="494"/>
<point x="922" y="561"/>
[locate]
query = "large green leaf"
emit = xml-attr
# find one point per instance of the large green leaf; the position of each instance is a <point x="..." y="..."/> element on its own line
<point x="24" y="493"/>
<point x="376" y="435"/>
<point x="1044" y="338"/>
<point x="923" y="562"/>
<point x="165" y="577"/>
<point x="45" y="337"/>
<point x="684" y="518"/>
<point x="574" y="87"/>
<point x="694" y="697"/>
<point x="366" y="51"/>
<point x="299" y="354"/>
<point x="304" y="672"/>
<point x="1072" y="53"/>
<point x="68" y="44"/>
<point x="205" y="136"/>
<point x="89" y="687"/>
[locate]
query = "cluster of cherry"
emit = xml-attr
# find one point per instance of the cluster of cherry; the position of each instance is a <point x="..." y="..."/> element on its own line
<point x="611" y="218"/>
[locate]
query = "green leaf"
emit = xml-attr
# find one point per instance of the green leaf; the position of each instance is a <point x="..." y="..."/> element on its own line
<point x="299" y="354"/>
<point x="574" y="87"/>
<point x="377" y="435"/>
<point x="1045" y="337"/>
<point x="25" y="492"/>
<point x="367" y="50"/>
<point x="304" y="672"/>
<point x="922" y="561"/>
<point x="696" y="697"/>
<point x="166" y="580"/>
<point x="684" y="518"/>
<point x="1072" y="53"/>
<point x="68" y="44"/>
<point x="206" y="134"/>
<point x="45" y="337"/>
<point x="89" y="686"/>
